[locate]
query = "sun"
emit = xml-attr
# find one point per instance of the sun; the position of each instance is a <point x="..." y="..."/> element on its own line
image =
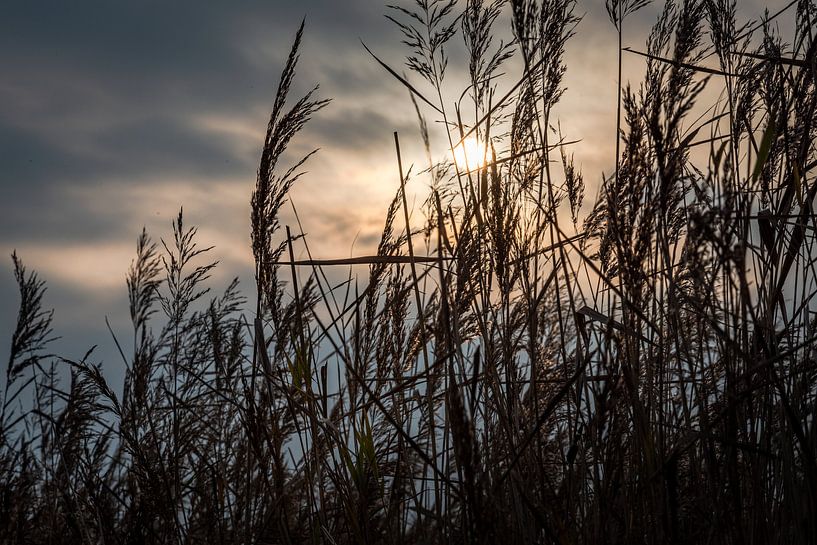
<point x="470" y="154"/>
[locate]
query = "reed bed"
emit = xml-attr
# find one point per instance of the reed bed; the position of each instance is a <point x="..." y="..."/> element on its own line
<point x="521" y="366"/>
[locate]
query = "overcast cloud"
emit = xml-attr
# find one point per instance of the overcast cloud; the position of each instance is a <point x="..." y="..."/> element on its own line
<point x="114" y="114"/>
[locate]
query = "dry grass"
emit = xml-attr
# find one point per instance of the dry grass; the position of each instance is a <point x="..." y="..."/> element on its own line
<point x="514" y="372"/>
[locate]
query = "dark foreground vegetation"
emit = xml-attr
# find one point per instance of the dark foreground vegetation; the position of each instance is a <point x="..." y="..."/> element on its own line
<point x="514" y="371"/>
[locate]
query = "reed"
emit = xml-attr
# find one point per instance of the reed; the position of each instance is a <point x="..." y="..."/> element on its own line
<point x="521" y="368"/>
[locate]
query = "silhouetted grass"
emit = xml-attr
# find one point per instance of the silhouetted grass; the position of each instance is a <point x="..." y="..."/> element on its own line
<point x="513" y="371"/>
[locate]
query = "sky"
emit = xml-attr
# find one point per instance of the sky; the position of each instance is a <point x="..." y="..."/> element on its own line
<point x="113" y="115"/>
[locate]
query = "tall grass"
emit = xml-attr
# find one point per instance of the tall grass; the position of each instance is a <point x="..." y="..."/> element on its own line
<point x="511" y="369"/>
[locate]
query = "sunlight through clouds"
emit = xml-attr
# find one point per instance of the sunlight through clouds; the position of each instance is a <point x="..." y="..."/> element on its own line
<point x="470" y="154"/>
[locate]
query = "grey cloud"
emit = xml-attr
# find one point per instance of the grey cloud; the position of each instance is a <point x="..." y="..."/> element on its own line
<point x="102" y="93"/>
<point x="150" y="146"/>
<point x="356" y="130"/>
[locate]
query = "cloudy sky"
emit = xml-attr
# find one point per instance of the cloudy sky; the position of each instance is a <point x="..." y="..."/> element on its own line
<point x="115" y="114"/>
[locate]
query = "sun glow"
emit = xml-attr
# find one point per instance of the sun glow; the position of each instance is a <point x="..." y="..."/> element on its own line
<point x="470" y="154"/>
